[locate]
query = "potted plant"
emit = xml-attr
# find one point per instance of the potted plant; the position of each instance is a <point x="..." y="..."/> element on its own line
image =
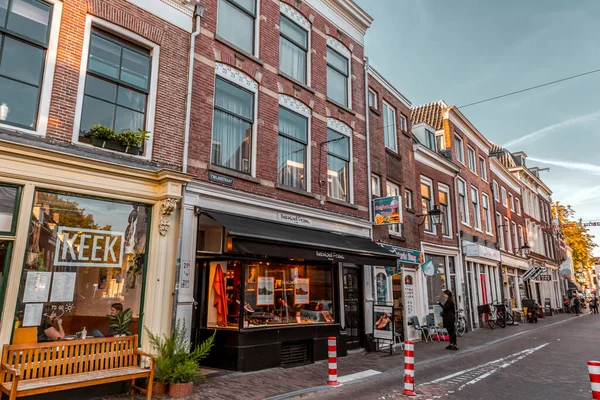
<point x="132" y="140"/>
<point x="120" y="322"/>
<point x="103" y="136"/>
<point x="177" y="364"/>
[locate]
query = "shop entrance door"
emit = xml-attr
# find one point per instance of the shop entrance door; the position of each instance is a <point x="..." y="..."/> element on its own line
<point x="353" y="315"/>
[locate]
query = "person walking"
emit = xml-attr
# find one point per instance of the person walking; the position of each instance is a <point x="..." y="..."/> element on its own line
<point x="448" y="318"/>
<point x="576" y="304"/>
<point x="594" y="305"/>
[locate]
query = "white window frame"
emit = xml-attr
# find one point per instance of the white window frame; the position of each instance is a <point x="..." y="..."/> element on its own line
<point x="375" y="102"/>
<point x="440" y="141"/>
<point x="256" y="46"/>
<point x="500" y="231"/>
<point x="386" y="105"/>
<point x="464" y="217"/>
<point x="428" y="182"/>
<point x="343" y="129"/>
<point x="394" y="229"/>
<point x="487" y="213"/>
<point x="511" y="202"/>
<point x="375" y="180"/>
<point x="515" y="238"/>
<point x="521" y="236"/>
<point x="153" y="50"/>
<point x="476" y="208"/>
<point x="341" y="49"/>
<point x="508" y="235"/>
<point x="495" y="190"/>
<point x="303" y="23"/>
<point x="460" y="149"/>
<point x="298" y="107"/>
<point x="408" y="199"/>
<point x="403" y="123"/>
<point x="430" y="137"/>
<point x="503" y="197"/>
<point x="483" y="168"/>
<point x="43" y="110"/>
<point x="446" y="189"/>
<point x="472" y="151"/>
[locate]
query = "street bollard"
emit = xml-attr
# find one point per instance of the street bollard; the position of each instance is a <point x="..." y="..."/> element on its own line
<point x="409" y="368"/>
<point x="594" y="369"/>
<point x="332" y="355"/>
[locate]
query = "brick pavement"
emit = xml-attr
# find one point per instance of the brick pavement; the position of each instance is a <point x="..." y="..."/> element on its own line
<point x="278" y="381"/>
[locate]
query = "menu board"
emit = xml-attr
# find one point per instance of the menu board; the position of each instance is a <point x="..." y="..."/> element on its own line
<point x="302" y="291"/>
<point x="33" y="314"/>
<point x="409" y="295"/>
<point x="37" y="287"/>
<point x="63" y="287"/>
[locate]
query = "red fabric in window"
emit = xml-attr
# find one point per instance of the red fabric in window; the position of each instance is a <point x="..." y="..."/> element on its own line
<point x="220" y="301"/>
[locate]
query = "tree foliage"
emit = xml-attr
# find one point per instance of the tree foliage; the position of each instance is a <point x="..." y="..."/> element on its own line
<point x="577" y="237"/>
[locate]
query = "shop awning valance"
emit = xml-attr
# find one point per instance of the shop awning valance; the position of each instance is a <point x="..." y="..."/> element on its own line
<point x="259" y="236"/>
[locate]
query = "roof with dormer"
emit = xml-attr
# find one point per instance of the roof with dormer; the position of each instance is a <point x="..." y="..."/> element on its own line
<point x="431" y="113"/>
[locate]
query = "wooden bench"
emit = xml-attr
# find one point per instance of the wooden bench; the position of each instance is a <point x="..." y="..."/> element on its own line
<point x="29" y="369"/>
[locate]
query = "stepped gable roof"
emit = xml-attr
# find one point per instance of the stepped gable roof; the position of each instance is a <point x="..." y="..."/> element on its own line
<point x="505" y="156"/>
<point x="431" y="113"/>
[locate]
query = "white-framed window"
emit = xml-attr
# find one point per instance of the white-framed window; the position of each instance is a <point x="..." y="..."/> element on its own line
<point x="427" y="203"/>
<point x="292" y="146"/>
<point x="460" y="149"/>
<point x="496" y="191"/>
<point x="521" y="236"/>
<point x="293" y="49"/>
<point x="515" y="237"/>
<point x="506" y="228"/>
<point x="482" y="169"/>
<point x="463" y="202"/>
<point x="339" y="154"/>
<point x="485" y="203"/>
<point x="117" y="85"/>
<point x="476" y="208"/>
<point x="446" y="217"/>
<point x="430" y="141"/>
<point x="236" y="23"/>
<point x="389" y="127"/>
<point x="472" y="162"/>
<point x="403" y="123"/>
<point x="393" y="190"/>
<point x="372" y="98"/>
<point x="338" y="73"/>
<point x="504" y="199"/>
<point x="500" y="231"/>
<point x="375" y="185"/>
<point x="28" y="42"/>
<point x="440" y="142"/>
<point x="511" y="201"/>
<point x="408" y="198"/>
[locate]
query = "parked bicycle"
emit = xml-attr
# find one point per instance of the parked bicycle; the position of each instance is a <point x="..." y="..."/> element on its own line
<point x="490" y="316"/>
<point x="460" y="323"/>
<point x="503" y="314"/>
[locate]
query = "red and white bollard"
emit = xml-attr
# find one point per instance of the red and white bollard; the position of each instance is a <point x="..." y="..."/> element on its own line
<point x="332" y="356"/>
<point x="409" y="368"/>
<point x="594" y="369"/>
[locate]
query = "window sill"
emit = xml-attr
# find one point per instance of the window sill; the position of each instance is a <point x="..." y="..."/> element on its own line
<point x="239" y="50"/>
<point x="232" y="173"/>
<point x="342" y="203"/>
<point x="465" y="223"/>
<point x="296" y="191"/>
<point x="297" y="82"/>
<point x="447" y="237"/>
<point x="105" y="150"/>
<point x="374" y="111"/>
<point x="406" y="133"/>
<point x="431" y="233"/>
<point x="478" y="230"/>
<point x="411" y="210"/>
<point x="339" y="105"/>
<point x="393" y="153"/>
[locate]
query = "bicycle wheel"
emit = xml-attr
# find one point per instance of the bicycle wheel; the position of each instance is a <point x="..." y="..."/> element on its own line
<point x="509" y="319"/>
<point x="461" y="327"/>
<point x="490" y="320"/>
<point x="500" y="320"/>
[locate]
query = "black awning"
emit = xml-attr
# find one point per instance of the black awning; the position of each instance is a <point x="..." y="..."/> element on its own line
<point x="571" y="285"/>
<point x="259" y="236"/>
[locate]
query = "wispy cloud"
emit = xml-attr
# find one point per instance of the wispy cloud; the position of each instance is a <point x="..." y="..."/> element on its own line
<point x="582" y="196"/>
<point x="540" y="133"/>
<point x="576" y="166"/>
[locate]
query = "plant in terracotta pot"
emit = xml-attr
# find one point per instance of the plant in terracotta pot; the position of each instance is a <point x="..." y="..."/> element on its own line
<point x="120" y="322"/>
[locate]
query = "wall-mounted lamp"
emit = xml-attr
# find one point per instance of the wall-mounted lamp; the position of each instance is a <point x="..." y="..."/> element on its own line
<point x="435" y="214"/>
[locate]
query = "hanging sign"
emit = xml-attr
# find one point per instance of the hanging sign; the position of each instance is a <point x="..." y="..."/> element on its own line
<point x="388" y="210"/>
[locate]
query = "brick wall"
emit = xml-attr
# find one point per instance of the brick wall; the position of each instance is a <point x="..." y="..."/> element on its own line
<point x="169" y="125"/>
<point x="264" y="70"/>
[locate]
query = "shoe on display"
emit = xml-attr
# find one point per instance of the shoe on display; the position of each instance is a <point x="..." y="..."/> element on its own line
<point x="301" y="291"/>
<point x="263" y="291"/>
<point x="248" y="308"/>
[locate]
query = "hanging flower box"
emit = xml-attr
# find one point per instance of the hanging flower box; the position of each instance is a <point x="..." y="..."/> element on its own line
<point x="129" y="142"/>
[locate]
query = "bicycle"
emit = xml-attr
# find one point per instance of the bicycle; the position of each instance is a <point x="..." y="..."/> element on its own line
<point x="490" y="316"/>
<point x="504" y="314"/>
<point x="460" y="323"/>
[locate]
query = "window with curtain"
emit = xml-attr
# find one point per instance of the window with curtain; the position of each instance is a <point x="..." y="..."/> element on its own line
<point x="476" y="210"/>
<point x="485" y="201"/>
<point x="472" y="165"/>
<point x="117" y="85"/>
<point x="393" y="190"/>
<point x="375" y="185"/>
<point x="235" y="22"/>
<point x="24" y="32"/>
<point x="293" y="47"/>
<point x="337" y="77"/>
<point x="444" y="199"/>
<point x="293" y="137"/>
<point x="338" y="165"/>
<point x="462" y="198"/>
<point x="389" y="127"/>
<point x="495" y="190"/>
<point x="426" y="204"/>
<point x="232" y="127"/>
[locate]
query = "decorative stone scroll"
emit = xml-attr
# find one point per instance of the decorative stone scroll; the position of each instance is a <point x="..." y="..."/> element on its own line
<point x="167" y="207"/>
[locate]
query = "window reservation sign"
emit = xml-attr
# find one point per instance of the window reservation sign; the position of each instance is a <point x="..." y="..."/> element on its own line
<point x="388" y="210"/>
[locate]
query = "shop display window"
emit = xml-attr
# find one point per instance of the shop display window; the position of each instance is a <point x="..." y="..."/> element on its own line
<point x="85" y="259"/>
<point x="436" y="283"/>
<point x="9" y="201"/>
<point x="274" y="294"/>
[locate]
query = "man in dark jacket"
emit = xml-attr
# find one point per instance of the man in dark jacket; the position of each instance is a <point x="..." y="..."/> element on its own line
<point x="448" y="317"/>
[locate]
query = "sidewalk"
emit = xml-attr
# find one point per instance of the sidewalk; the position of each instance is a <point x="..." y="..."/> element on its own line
<point x="284" y="383"/>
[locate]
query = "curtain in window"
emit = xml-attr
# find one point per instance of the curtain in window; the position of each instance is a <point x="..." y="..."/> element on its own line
<point x="292" y="60"/>
<point x="338" y="165"/>
<point x="293" y="135"/>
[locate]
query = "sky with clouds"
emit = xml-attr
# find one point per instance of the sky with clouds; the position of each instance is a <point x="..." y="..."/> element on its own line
<point x="463" y="51"/>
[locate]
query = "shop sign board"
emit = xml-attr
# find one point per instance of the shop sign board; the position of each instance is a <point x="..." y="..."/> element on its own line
<point x="78" y="247"/>
<point x="404" y="255"/>
<point x="293" y="219"/>
<point x="545" y="277"/>
<point x="476" y="250"/>
<point x="330" y="255"/>
<point x="388" y="210"/>
<point x="383" y="327"/>
<point x="220" y="178"/>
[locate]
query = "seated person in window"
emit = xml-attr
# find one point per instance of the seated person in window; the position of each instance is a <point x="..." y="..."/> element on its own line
<point x="115" y="308"/>
<point x="51" y="329"/>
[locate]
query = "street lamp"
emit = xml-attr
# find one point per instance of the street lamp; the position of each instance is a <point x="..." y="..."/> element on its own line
<point x="525" y="250"/>
<point x="435" y="215"/>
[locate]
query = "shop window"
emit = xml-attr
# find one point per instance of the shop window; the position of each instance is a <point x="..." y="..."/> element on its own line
<point x="436" y="284"/>
<point x="9" y="200"/>
<point x="236" y="21"/>
<point x="293" y="48"/>
<point x="232" y="126"/>
<point x="117" y="85"/>
<point x="275" y="294"/>
<point x="338" y="165"/>
<point x="85" y="259"/>
<point x="24" y="32"/>
<point x="293" y="139"/>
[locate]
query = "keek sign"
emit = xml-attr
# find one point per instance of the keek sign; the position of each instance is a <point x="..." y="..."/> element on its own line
<point x="89" y="248"/>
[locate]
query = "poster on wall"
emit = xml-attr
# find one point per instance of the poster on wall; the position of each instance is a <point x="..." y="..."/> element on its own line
<point x="437" y="315"/>
<point x="302" y="291"/>
<point x="383" y="327"/>
<point x="409" y="295"/>
<point x="265" y="292"/>
<point x="63" y="287"/>
<point x="37" y="287"/>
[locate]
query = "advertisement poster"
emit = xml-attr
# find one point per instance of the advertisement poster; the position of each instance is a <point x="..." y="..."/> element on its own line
<point x="437" y="315"/>
<point x="383" y="322"/>
<point x="388" y="210"/>
<point x="409" y="295"/>
<point x="265" y="292"/>
<point x="302" y="291"/>
<point x="37" y="287"/>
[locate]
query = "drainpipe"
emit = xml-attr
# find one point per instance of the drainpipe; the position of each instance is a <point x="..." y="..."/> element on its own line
<point x="198" y="14"/>
<point x="368" y="141"/>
